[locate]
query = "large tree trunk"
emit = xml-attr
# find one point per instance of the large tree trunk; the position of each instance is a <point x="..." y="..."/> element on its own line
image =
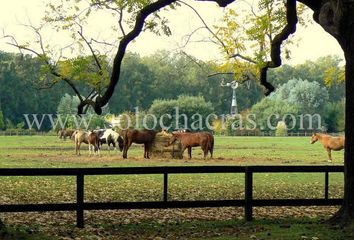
<point x="346" y="213"/>
<point x="337" y="18"/>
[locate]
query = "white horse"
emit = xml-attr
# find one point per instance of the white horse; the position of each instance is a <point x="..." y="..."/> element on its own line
<point x="110" y="136"/>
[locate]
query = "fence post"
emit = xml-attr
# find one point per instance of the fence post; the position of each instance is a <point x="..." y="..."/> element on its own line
<point x="80" y="200"/>
<point x="165" y="186"/>
<point x="248" y="194"/>
<point x="326" y="185"/>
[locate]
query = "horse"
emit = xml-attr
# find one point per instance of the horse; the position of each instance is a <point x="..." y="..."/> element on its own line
<point x="145" y="137"/>
<point x="110" y="137"/>
<point x="188" y="140"/>
<point x="63" y="133"/>
<point x="90" y="138"/>
<point x="182" y="130"/>
<point x="329" y="142"/>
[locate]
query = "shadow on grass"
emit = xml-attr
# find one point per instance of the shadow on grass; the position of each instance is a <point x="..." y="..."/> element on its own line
<point x="259" y="229"/>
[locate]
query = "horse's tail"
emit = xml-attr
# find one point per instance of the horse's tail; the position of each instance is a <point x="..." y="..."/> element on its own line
<point x="125" y="137"/>
<point x="97" y="143"/>
<point x="211" y="145"/>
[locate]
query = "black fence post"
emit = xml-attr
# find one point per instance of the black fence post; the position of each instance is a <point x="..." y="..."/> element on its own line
<point x="248" y="194"/>
<point x="326" y="185"/>
<point x="165" y="186"/>
<point x="80" y="200"/>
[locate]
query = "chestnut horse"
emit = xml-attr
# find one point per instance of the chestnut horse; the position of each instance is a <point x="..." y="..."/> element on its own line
<point x="329" y="142"/>
<point x="188" y="140"/>
<point x="145" y="137"/>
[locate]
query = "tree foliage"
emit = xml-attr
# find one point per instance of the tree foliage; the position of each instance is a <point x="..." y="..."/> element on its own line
<point x="184" y="112"/>
<point x="2" y="121"/>
<point x="269" y="112"/>
<point x="309" y="97"/>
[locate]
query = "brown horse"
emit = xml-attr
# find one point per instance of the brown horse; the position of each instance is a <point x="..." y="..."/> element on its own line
<point x="145" y="137"/>
<point x="63" y="133"/>
<point x="188" y="140"/>
<point x="329" y="142"/>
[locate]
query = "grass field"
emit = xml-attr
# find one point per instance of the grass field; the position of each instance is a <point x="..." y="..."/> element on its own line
<point x="49" y="151"/>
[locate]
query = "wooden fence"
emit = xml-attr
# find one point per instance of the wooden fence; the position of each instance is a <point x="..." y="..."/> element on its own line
<point x="248" y="202"/>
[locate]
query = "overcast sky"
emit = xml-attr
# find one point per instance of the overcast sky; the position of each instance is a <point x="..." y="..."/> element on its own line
<point x="313" y="44"/>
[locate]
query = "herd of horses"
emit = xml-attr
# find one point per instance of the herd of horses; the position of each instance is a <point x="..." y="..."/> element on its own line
<point x="125" y="138"/>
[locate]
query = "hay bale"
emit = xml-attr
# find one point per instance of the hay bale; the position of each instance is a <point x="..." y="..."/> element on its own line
<point x="159" y="147"/>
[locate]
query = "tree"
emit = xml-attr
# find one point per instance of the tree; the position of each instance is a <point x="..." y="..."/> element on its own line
<point x="327" y="71"/>
<point x="309" y="97"/>
<point x="334" y="116"/>
<point x="183" y="112"/>
<point x="269" y="112"/>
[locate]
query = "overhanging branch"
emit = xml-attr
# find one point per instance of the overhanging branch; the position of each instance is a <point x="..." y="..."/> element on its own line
<point x="138" y="27"/>
<point x="290" y="28"/>
<point x="101" y="101"/>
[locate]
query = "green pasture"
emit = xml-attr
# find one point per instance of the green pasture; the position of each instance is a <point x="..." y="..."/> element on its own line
<point x="51" y="152"/>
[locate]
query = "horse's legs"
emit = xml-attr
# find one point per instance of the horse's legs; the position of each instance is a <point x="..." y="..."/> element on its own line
<point x="125" y="149"/>
<point x="205" y="150"/>
<point x="98" y="149"/>
<point x="329" y="154"/>
<point x="211" y="153"/>
<point x="78" y="148"/>
<point x="211" y="148"/>
<point x="190" y="152"/>
<point x="145" y="150"/>
<point x="182" y="150"/>
<point x="148" y="149"/>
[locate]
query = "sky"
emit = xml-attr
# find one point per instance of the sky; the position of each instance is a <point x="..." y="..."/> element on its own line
<point x="312" y="42"/>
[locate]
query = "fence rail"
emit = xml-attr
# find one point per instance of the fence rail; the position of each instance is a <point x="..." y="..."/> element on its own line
<point x="248" y="202"/>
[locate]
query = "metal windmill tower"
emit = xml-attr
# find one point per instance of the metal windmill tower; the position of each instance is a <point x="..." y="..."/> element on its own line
<point x="234" y="86"/>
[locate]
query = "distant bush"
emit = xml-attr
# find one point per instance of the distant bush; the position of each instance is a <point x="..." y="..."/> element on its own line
<point x="281" y="130"/>
<point x="185" y="111"/>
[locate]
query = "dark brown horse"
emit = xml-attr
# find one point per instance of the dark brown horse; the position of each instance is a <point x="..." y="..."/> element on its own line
<point x="145" y="137"/>
<point x="188" y="140"/>
<point x="329" y="142"/>
<point x="63" y="133"/>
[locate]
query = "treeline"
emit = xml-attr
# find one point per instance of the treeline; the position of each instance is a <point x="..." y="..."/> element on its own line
<point x="156" y="77"/>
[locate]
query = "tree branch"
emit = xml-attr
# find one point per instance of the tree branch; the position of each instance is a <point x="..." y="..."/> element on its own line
<point x="221" y="3"/>
<point x="248" y="59"/>
<point x="207" y="27"/>
<point x="139" y="24"/>
<point x="91" y="50"/>
<point x="290" y="28"/>
<point x="44" y="58"/>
